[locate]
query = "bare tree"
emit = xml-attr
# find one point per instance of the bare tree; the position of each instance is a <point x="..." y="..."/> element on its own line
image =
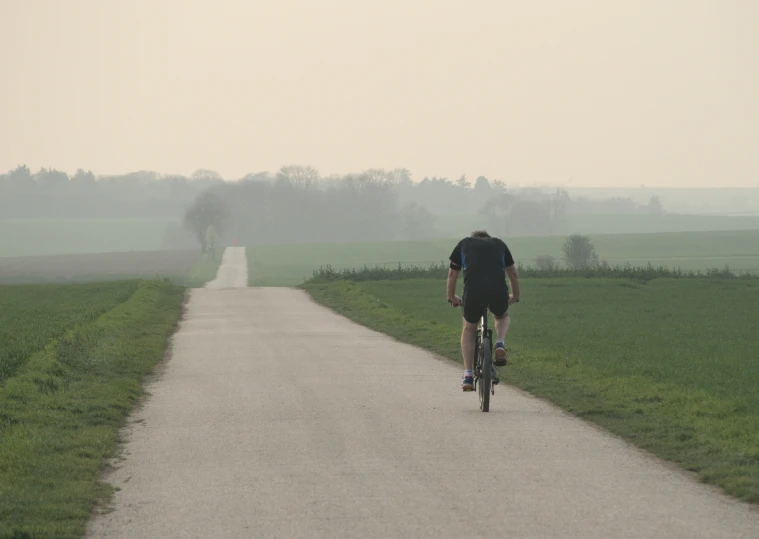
<point x="204" y="174"/>
<point x="298" y="176"/>
<point x="400" y="176"/>
<point x="557" y="204"/>
<point x="205" y="218"/>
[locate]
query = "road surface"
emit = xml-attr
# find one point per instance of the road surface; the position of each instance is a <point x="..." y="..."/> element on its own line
<point x="276" y="418"/>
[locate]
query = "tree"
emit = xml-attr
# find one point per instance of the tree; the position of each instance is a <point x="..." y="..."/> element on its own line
<point x="51" y="180"/>
<point x="83" y="179"/>
<point x="256" y="177"/>
<point x="208" y="213"/>
<point x="211" y="240"/>
<point x="297" y="176"/>
<point x="377" y="175"/>
<point x="528" y="218"/>
<point x="558" y="208"/>
<point x="481" y="184"/>
<point x="497" y="209"/>
<point x="655" y="206"/>
<point x="400" y="177"/>
<point x="545" y="262"/>
<point x="463" y="182"/>
<point x="20" y="178"/>
<point x="203" y="174"/>
<point x="418" y="223"/>
<point x="579" y="252"/>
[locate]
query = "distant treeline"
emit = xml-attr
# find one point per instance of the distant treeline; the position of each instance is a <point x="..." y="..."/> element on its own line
<point x="296" y="205"/>
<point x="407" y="208"/>
<point x="51" y="193"/>
<point x="440" y="271"/>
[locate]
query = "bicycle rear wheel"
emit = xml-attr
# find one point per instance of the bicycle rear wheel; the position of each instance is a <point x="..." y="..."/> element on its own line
<point x="486" y="375"/>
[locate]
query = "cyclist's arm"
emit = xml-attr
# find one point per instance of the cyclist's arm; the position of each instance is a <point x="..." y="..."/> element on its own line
<point x="453" y="275"/>
<point x="454" y="270"/>
<point x="511" y="271"/>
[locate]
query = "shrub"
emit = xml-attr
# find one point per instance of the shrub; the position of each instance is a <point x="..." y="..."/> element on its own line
<point x="546" y="262"/>
<point x="579" y="252"/>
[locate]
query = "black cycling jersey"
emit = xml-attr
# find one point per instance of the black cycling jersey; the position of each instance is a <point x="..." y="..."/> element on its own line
<point x="484" y="262"/>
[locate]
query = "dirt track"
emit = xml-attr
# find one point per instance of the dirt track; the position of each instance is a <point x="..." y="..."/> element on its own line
<point x="278" y="418"/>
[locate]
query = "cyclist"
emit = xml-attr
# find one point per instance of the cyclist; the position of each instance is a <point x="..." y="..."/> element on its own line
<point x="486" y="261"/>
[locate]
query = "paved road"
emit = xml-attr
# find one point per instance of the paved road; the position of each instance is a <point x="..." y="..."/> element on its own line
<point x="233" y="271"/>
<point x="277" y="418"/>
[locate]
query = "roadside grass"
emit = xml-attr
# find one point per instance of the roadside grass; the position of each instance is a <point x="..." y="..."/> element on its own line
<point x="670" y="365"/>
<point x="61" y="411"/>
<point x="291" y="265"/>
<point x="203" y="271"/>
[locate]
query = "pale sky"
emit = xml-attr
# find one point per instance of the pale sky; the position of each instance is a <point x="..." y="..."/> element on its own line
<point x="605" y="93"/>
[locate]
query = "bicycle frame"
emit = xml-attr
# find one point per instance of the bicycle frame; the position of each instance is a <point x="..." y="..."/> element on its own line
<point x="483" y="347"/>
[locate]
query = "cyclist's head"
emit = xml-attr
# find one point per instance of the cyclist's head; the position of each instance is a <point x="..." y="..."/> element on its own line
<point x="480" y="234"/>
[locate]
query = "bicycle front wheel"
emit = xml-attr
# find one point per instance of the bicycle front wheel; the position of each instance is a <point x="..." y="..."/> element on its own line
<point x="486" y="376"/>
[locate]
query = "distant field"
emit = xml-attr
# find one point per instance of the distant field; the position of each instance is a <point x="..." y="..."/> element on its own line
<point x="617" y="224"/>
<point x="175" y="265"/>
<point x="671" y="365"/>
<point x="29" y="237"/>
<point x="289" y="265"/>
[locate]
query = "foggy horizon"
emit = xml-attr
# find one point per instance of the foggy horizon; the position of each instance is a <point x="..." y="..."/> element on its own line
<point x="587" y="95"/>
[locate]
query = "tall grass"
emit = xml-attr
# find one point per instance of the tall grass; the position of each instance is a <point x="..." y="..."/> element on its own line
<point x="440" y="271"/>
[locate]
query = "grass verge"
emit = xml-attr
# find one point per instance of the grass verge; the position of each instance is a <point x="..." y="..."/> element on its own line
<point x="669" y="365"/>
<point x="61" y="412"/>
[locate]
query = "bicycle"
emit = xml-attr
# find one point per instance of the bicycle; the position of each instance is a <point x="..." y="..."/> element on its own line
<point x="484" y="371"/>
<point x="485" y="375"/>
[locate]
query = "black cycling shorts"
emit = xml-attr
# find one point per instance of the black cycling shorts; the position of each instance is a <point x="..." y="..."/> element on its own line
<point x="475" y="301"/>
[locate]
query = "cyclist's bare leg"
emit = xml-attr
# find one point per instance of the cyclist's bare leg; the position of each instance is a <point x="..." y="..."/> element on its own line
<point x="468" y="339"/>
<point x="502" y="326"/>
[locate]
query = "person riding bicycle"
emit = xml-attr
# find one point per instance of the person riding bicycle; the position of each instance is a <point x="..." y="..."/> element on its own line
<point x="485" y="261"/>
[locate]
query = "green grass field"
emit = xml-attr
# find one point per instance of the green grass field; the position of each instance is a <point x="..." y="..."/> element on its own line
<point x="79" y="354"/>
<point x="670" y="365"/>
<point x="290" y="265"/>
<point x="32" y="316"/>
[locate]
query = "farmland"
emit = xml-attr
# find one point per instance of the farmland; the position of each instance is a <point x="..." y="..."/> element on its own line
<point x="183" y="267"/>
<point x="73" y="360"/>
<point x="32" y="237"/>
<point x="592" y="224"/>
<point x="671" y="365"/>
<point x="32" y="316"/>
<point x="289" y="265"/>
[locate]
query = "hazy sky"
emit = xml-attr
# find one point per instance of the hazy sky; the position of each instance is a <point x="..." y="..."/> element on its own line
<point x="607" y="92"/>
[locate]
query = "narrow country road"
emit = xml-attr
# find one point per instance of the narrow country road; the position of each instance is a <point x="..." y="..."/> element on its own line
<point x="276" y="418"/>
